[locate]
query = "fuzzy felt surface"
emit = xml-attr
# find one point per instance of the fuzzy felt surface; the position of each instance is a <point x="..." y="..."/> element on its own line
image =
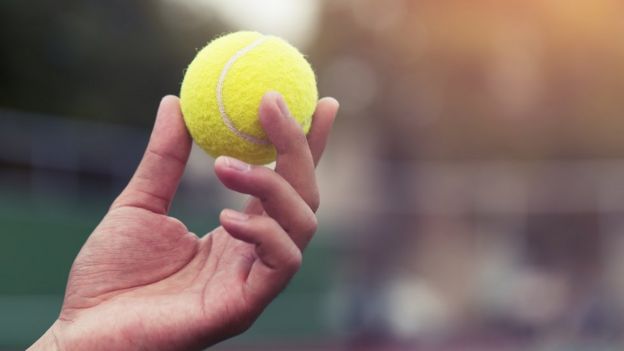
<point x="272" y="65"/>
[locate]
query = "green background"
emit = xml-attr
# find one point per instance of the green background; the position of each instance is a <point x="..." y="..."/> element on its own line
<point x="41" y="236"/>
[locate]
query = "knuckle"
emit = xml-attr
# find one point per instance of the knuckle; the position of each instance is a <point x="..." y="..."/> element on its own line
<point x="267" y="224"/>
<point x="267" y="182"/>
<point x="174" y="224"/>
<point x="294" y="260"/>
<point x="163" y="156"/>
<point x="309" y="225"/>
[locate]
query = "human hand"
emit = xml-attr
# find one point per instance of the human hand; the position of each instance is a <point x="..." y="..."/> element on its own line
<point x="142" y="281"/>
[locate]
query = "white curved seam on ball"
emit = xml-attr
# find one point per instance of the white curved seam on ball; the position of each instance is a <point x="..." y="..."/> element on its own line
<point x="224" y="116"/>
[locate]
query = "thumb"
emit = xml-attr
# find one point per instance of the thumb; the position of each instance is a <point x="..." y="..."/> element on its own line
<point x="157" y="177"/>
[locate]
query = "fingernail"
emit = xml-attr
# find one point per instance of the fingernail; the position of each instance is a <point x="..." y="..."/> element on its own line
<point x="334" y="101"/>
<point x="281" y="104"/>
<point x="235" y="215"/>
<point x="165" y="98"/>
<point x="235" y="164"/>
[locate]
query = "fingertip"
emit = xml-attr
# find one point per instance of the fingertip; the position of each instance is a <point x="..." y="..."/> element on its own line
<point x="234" y="223"/>
<point x="271" y="96"/>
<point x="330" y="101"/>
<point x="283" y="107"/>
<point x="170" y="97"/>
<point x="220" y="162"/>
<point x="269" y="108"/>
<point x="232" y="172"/>
<point x="232" y="164"/>
<point x="170" y="105"/>
<point x="229" y="215"/>
<point x="328" y="107"/>
<point x="274" y="106"/>
<point x="170" y="135"/>
<point x="220" y="169"/>
<point x="323" y="121"/>
<point x="279" y="126"/>
<point x="168" y="101"/>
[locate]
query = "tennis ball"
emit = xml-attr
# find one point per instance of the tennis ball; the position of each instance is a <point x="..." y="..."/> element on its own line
<point x="224" y="85"/>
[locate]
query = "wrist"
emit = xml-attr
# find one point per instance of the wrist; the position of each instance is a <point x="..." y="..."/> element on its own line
<point x="47" y="342"/>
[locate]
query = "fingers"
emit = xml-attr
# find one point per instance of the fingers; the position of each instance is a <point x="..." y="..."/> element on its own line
<point x="157" y="177"/>
<point x="273" y="245"/>
<point x="294" y="158"/>
<point x="278" y="198"/>
<point x="322" y="124"/>
<point x="279" y="257"/>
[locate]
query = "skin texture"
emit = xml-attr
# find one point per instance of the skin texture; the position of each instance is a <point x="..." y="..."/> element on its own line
<point x="142" y="281"/>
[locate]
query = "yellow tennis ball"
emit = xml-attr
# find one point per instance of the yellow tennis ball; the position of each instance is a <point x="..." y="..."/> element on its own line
<point x="224" y="85"/>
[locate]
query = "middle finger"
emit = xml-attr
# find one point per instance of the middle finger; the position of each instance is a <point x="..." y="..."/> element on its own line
<point x="278" y="198"/>
<point x="294" y="158"/>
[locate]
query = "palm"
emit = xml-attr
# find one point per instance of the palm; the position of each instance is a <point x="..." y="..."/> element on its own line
<point x="150" y="258"/>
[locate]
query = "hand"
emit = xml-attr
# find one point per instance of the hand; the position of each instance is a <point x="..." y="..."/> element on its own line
<point x="143" y="282"/>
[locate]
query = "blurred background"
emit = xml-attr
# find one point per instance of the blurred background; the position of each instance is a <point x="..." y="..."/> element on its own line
<point x="473" y="190"/>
